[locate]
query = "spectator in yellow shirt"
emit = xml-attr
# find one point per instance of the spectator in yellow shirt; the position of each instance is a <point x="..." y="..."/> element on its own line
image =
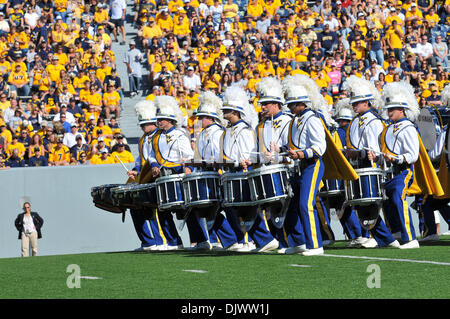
<point x="165" y="22"/>
<point x="15" y="144"/>
<point x="19" y="82"/>
<point x="104" y="158"/>
<point x="59" y="155"/>
<point x="54" y="70"/>
<point x="111" y="102"/>
<point x="122" y="155"/>
<point x="149" y="31"/>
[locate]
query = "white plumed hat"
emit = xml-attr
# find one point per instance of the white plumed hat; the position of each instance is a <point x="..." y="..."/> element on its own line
<point x="146" y="111"/>
<point x="210" y="105"/>
<point x="401" y="94"/>
<point x="343" y="110"/>
<point x="270" y="90"/>
<point x="363" y="90"/>
<point x="236" y="98"/>
<point x="167" y="108"/>
<point x="294" y="92"/>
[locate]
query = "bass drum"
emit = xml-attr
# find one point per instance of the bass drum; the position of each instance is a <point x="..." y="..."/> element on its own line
<point x="429" y="123"/>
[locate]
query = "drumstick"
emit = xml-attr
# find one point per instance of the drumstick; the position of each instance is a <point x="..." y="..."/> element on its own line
<point x="122" y="163"/>
<point x="286" y="153"/>
<point x="380" y="153"/>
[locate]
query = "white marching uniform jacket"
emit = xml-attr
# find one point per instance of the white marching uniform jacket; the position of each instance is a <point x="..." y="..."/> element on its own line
<point x="238" y="142"/>
<point x="401" y="138"/>
<point x="274" y="129"/>
<point x="306" y="132"/>
<point x="208" y="143"/>
<point x="169" y="148"/>
<point x="364" y="131"/>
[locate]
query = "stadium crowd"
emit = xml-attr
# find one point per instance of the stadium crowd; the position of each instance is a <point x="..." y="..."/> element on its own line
<point x="61" y="95"/>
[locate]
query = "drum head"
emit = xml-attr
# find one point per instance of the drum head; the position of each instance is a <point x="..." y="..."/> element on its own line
<point x="427" y="128"/>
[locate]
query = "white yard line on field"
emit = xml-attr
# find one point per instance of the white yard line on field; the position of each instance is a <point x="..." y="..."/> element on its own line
<point x="390" y="259"/>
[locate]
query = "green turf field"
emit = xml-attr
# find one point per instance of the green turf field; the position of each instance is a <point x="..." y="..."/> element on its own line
<point x="234" y="275"/>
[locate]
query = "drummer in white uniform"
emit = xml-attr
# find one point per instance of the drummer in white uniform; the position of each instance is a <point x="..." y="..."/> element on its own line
<point x="207" y="149"/>
<point x="362" y="134"/>
<point x="347" y="217"/>
<point x="238" y="145"/>
<point x="171" y="147"/>
<point x="400" y="145"/>
<point x="271" y="132"/>
<point x="146" y="225"/>
<point x="306" y="144"/>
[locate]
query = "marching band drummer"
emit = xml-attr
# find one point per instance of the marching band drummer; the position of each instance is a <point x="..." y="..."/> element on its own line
<point x="207" y="149"/>
<point x="238" y="145"/>
<point x="170" y="147"/>
<point x="431" y="203"/>
<point x="271" y="132"/>
<point x="147" y="229"/>
<point x="306" y="142"/>
<point x="347" y="218"/>
<point x="363" y="133"/>
<point x="400" y="145"/>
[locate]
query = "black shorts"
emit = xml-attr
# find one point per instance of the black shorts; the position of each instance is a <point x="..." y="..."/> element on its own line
<point x="117" y="22"/>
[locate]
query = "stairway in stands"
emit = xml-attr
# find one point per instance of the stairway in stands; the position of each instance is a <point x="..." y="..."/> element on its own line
<point x="128" y="118"/>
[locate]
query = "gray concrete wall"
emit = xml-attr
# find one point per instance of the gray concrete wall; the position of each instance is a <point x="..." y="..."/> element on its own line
<point x="61" y="195"/>
<point x="72" y="224"/>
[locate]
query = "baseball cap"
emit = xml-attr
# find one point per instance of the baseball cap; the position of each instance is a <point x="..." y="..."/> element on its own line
<point x="120" y="145"/>
<point x="190" y="68"/>
<point x="101" y="139"/>
<point x="103" y="151"/>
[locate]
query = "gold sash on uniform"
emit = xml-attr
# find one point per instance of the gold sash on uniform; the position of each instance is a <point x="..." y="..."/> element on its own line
<point x="336" y="165"/>
<point x="425" y="179"/>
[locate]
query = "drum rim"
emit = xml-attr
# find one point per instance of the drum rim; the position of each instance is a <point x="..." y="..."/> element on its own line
<point x="201" y="175"/>
<point x="271" y="199"/>
<point x="170" y="178"/>
<point x="375" y="170"/>
<point x="275" y="168"/>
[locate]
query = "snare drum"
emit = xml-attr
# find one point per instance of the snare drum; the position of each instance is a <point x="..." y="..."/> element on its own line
<point x="121" y="195"/>
<point x="331" y="188"/>
<point x="366" y="190"/>
<point x="236" y="190"/>
<point x="201" y="189"/>
<point x="144" y="195"/>
<point x="269" y="184"/>
<point x="169" y="192"/>
<point x="101" y="196"/>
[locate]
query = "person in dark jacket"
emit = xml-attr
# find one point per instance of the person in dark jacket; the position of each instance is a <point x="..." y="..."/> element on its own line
<point x="29" y="225"/>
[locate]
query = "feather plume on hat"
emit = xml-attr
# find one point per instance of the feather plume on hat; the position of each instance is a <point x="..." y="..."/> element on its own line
<point x="146" y="111"/>
<point x="210" y="105"/>
<point x="270" y="90"/>
<point x="237" y="99"/>
<point x="167" y="108"/>
<point x="343" y="110"/>
<point x="401" y="94"/>
<point x="445" y="96"/>
<point x="363" y="90"/>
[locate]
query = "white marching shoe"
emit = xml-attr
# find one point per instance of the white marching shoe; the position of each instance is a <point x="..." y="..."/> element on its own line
<point x="178" y="247"/>
<point x="395" y="244"/>
<point x="434" y="237"/>
<point x="313" y="252"/>
<point x="370" y="243"/>
<point x="234" y="247"/>
<point x="147" y="248"/>
<point x="357" y="242"/>
<point x="410" y="245"/>
<point x="295" y="250"/>
<point x="272" y="245"/>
